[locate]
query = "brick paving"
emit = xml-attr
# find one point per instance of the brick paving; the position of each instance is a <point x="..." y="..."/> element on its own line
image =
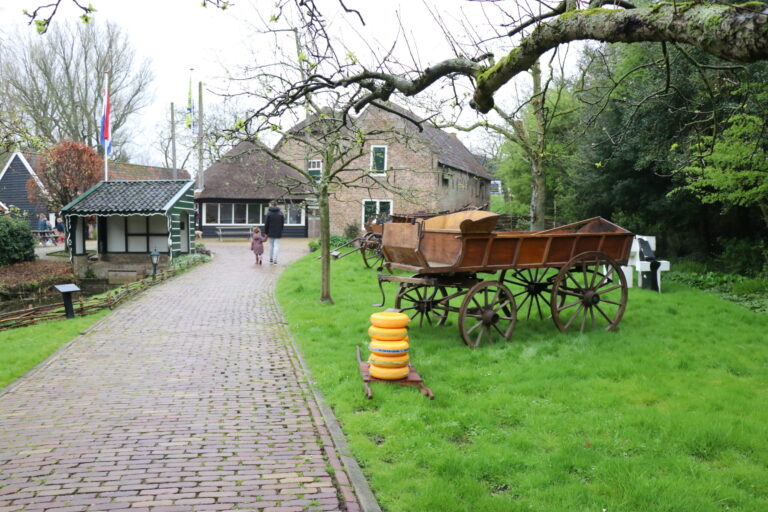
<point x="188" y="398"/>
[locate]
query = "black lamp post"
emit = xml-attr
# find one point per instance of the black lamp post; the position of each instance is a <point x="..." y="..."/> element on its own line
<point x="154" y="256"/>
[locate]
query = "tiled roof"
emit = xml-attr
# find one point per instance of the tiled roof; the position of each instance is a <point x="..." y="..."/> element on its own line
<point x="127" y="197"/>
<point x="448" y="148"/>
<point x="450" y="151"/>
<point x="248" y="172"/>
<point x="120" y="171"/>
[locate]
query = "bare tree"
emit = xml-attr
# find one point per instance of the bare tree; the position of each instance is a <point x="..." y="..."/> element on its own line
<point x="328" y="134"/>
<point x="219" y="117"/>
<point x="528" y="126"/>
<point x="731" y="32"/>
<point x="57" y="81"/>
<point x="736" y="32"/>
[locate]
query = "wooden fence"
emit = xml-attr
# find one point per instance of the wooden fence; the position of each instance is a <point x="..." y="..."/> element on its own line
<point x="88" y="305"/>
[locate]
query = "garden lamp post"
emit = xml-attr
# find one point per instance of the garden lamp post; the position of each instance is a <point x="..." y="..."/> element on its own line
<point x="154" y="256"/>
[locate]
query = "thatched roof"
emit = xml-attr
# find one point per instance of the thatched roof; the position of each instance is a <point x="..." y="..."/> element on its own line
<point x="247" y="171"/>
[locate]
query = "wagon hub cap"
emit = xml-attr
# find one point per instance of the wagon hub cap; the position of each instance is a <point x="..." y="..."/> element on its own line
<point x="489" y="317"/>
<point x="591" y="298"/>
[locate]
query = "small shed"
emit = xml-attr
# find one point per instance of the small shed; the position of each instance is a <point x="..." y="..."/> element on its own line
<point x="132" y="219"/>
<point x="17" y="170"/>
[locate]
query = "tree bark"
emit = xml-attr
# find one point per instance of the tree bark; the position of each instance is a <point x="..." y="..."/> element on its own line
<point x="325" y="246"/>
<point x="538" y="183"/>
<point x="737" y="33"/>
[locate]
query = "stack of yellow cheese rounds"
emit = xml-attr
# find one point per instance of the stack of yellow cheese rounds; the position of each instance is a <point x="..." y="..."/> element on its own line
<point x="389" y="346"/>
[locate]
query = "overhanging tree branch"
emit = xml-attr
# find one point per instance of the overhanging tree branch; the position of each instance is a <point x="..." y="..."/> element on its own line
<point x="729" y="32"/>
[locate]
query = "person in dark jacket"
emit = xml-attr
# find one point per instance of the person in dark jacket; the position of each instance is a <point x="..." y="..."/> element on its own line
<point x="273" y="228"/>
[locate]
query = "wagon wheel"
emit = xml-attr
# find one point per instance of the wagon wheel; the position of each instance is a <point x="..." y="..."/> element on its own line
<point x="531" y="288"/>
<point x="370" y="249"/>
<point x="423" y="301"/>
<point x="591" y="291"/>
<point x="488" y="310"/>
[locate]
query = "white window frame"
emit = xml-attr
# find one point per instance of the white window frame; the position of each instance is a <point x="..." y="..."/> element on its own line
<point x="376" y="172"/>
<point x="287" y="217"/>
<point x="315" y="164"/>
<point x="378" y="207"/>
<point x="218" y="215"/>
<point x="205" y="214"/>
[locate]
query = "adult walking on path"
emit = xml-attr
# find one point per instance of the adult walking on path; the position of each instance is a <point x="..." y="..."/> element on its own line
<point x="273" y="228"/>
<point x="190" y="397"/>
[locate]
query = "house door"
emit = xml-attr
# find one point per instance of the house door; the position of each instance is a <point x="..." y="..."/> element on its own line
<point x="184" y="232"/>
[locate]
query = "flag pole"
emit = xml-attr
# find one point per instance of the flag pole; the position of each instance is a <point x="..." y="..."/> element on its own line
<point x="106" y="128"/>
<point x="173" y="142"/>
<point x="200" y="135"/>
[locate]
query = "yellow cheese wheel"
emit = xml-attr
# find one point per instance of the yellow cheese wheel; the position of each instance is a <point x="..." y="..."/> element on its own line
<point x="389" y="361"/>
<point x="390" y="320"/>
<point x="385" y="334"/>
<point x="389" y="348"/>
<point x="389" y="373"/>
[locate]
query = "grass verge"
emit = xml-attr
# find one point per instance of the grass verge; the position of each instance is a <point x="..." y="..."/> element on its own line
<point x="665" y="414"/>
<point x="23" y="348"/>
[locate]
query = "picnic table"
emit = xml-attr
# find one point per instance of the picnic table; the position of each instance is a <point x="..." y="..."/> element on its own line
<point x="46" y="237"/>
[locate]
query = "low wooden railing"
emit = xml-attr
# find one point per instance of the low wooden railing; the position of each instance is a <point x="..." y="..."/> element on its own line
<point x="88" y="305"/>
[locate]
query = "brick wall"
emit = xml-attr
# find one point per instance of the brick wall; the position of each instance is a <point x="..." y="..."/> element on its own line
<point x="413" y="182"/>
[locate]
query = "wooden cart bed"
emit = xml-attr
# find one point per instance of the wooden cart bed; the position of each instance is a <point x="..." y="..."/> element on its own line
<point x="466" y="242"/>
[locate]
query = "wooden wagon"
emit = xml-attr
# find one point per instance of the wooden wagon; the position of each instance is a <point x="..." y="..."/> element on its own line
<point x="461" y="265"/>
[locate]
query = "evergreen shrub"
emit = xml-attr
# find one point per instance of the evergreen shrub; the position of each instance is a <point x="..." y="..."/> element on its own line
<point x="16" y="241"/>
<point x="352" y="231"/>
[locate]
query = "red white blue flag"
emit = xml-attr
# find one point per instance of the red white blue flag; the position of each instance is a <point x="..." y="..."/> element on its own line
<point x="105" y="135"/>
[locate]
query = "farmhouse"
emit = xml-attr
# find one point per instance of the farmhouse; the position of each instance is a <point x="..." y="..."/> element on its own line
<point x="401" y="169"/>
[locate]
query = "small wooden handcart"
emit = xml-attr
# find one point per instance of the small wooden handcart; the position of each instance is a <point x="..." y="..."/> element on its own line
<point x="461" y="265"/>
<point x="369" y="243"/>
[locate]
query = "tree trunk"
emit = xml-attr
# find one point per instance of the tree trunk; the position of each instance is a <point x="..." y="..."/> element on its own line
<point x="763" y="205"/>
<point x="325" y="247"/>
<point x="538" y="195"/>
<point x="538" y="183"/>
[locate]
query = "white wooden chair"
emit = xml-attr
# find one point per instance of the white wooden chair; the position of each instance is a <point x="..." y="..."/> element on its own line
<point x="642" y="263"/>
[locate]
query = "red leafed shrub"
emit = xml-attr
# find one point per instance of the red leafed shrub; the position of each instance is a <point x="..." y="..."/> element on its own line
<point x="69" y="169"/>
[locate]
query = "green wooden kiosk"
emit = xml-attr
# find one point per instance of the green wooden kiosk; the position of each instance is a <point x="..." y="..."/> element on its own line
<point x="130" y="220"/>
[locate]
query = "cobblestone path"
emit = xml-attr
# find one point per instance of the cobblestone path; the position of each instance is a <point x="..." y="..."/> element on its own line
<point x="189" y="397"/>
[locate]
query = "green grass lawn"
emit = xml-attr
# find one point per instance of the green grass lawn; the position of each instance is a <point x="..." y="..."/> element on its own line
<point x="666" y="414"/>
<point x="23" y="348"/>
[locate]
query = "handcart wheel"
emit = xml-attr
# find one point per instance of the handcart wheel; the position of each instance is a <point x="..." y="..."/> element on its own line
<point x="487" y="312"/>
<point x="368" y="248"/>
<point x="531" y="288"/>
<point x="373" y="256"/>
<point x="589" y="291"/>
<point x="420" y="301"/>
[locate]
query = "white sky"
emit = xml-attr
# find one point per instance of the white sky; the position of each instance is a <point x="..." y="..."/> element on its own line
<point x="177" y="35"/>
